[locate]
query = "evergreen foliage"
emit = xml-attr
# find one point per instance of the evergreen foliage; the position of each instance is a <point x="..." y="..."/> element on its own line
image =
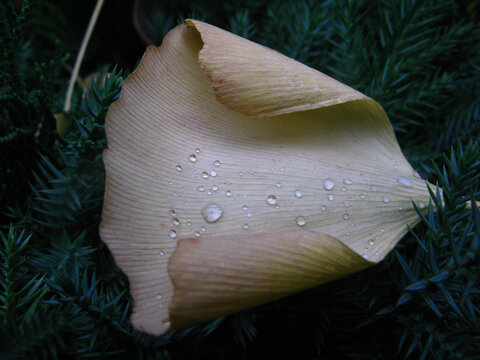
<point x="61" y="295"/>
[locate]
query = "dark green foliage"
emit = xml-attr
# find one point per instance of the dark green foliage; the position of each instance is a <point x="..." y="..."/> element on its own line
<point x="61" y="295"/>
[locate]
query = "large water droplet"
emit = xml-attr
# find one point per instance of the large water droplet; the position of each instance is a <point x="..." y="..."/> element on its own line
<point x="178" y="167"/>
<point x="172" y="234"/>
<point x="347" y="181"/>
<point x="196" y="233"/>
<point x="328" y="184"/>
<point x="331" y="197"/>
<point x="213" y="173"/>
<point x="214" y="188"/>
<point x="249" y="215"/>
<point x="212" y="212"/>
<point x="216" y="163"/>
<point x="172" y="212"/>
<point x="298" y="194"/>
<point x="192" y="158"/>
<point x="301" y="221"/>
<point x="371" y="242"/>
<point x="175" y="222"/>
<point x="203" y="229"/>
<point x="204" y="174"/>
<point x="161" y="253"/>
<point x="404" y="181"/>
<point x="271" y="200"/>
<point x="228" y="193"/>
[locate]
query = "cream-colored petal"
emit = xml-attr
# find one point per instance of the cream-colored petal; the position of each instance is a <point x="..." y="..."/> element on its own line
<point x="173" y="149"/>
<point x="258" y="81"/>
<point x="217" y="276"/>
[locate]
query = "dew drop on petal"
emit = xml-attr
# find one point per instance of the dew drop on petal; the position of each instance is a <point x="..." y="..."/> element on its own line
<point x="371" y="242"/>
<point x="298" y="194"/>
<point x="214" y="188"/>
<point x="192" y="158"/>
<point x="249" y="215"/>
<point x="161" y="253"/>
<point x="212" y="212"/>
<point x="347" y="181"/>
<point x="374" y="188"/>
<point x="175" y="222"/>
<point x="346" y="216"/>
<point x="213" y="173"/>
<point x="245" y="226"/>
<point x="172" y="212"/>
<point x="343" y="188"/>
<point x="172" y="234"/>
<point x="382" y="230"/>
<point x="301" y="221"/>
<point x="328" y="184"/>
<point x="386" y="199"/>
<point x="178" y="167"/>
<point x="271" y="200"/>
<point x="197" y="150"/>
<point x="203" y="229"/>
<point x="201" y="188"/>
<point x="241" y="173"/>
<point x="245" y="208"/>
<point x="278" y="185"/>
<point x="421" y="205"/>
<point x="363" y="196"/>
<point x="204" y="174"/>
<point x="216" y="163"/>
<point x="189" y="222"/>
<point x="323" y="208"/>
<point x="406" y="182"/>
<point x="228" y="193"/>
<point x="159" y="297"/>
<point x="346" y="203"/>
<point x="331" y="197"/>
<point x="196" y="233"/>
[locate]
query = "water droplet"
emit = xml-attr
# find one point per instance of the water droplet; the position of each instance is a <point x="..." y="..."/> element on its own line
<point x="172" y="234"/>
<point x="363" y="196"/>
<point x="159" y="297"/>
<point x="249" y="215"/>
<point x="400" y="208"/>
<point x="371" y="242"/>
<point x="201" y="188"/>
<point x="196" y="233"/>
<point x="346" y="203"/>
<point x="271" y="200"/>
<point x="344" y="188"/>
<point x="374" y="188"/>
<point x="189" y="222"/>
<point x="216" y="163"/>
<point x="172" y="212"/>
<point x="365" y="256"/>
<point x="192" y="158"/>
<point x="170" y="182"/>
<point x="240" y="173"/>
<point x="184" y="189"/>
<point x="278" y="185"/>
<point x="213" y="173"/>
<point x="174" y="194"/>
<point x="245" y="226"/>
<point x="421" y="205"/>
<point x="203" y="229"/>
<point x="212" y="212"/>
<point x="346" y="216"/>
<point x="228" y="193"/>
<point x="282" y="169"/>
<point x="197" y="150"/>
<point x="386" y="199"/>
<point x="347" y="181"/>
<point x="209" y="192"/>
<point x="204" y="174"/>
<point x="404" y="181"/>
<point x="298" y="194"/>
<point x="245" y="208"/>
<point x="175" y="222"/>
<point x="323" y="208"/>
<point x="178" y="167"/>
<point x="382" y="230"/>
<point x="161" y="253"/>
<point x="328" y="184"/>
<point x="166" y="324"/>
<point x="301" y="221"/>
<point x="331" y="197"/>
<point x="214" y="187"/>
